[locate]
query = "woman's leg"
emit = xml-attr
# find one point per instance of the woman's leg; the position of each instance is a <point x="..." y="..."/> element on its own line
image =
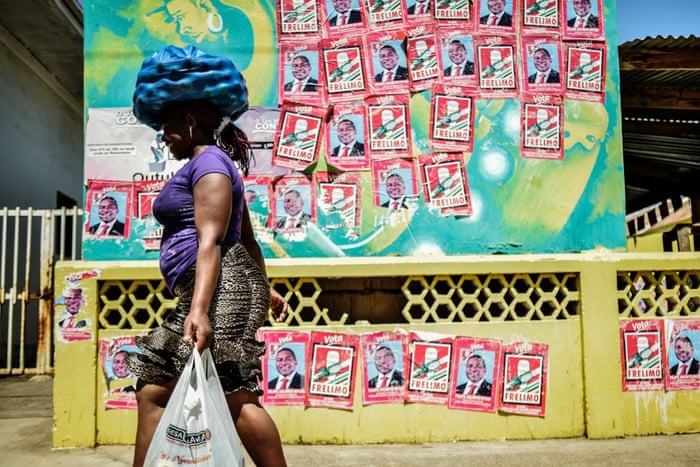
<point x="256" y="429"/>
<point x="152" y="399"/>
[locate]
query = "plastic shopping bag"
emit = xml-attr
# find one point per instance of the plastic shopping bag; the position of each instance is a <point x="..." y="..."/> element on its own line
<point x="196" y="427"/>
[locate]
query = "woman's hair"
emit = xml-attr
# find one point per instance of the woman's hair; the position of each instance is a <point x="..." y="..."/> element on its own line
<point x="227" y="136"/>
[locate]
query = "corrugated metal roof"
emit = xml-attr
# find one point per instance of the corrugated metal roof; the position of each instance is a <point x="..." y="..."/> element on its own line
<point x="689" y="80"/>
<point x="661" y="79"/>
<point x="657" y="42"/>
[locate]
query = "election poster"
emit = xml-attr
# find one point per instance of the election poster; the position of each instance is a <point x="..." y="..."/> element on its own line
<point x="641" y="354"/>
<point x="524" y="384"/>
<point x="384" y="356"/>
<point x="332" y="363"/>
<point x="430" y="360"/>
<point x="682" y="355"/>
<point x="284" y="367"/>
<point x="476" y="374"/>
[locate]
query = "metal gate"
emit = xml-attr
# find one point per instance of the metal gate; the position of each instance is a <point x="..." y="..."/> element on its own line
<point x="31" y="241"/>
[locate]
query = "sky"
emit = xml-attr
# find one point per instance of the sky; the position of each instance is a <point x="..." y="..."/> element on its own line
<point x="637" y="19"/>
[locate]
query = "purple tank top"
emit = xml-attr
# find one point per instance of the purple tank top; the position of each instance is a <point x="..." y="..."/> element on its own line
<point x="174" y="209"/>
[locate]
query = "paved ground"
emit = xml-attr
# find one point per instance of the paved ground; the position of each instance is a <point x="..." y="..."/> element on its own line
<point x="25" y="440"/>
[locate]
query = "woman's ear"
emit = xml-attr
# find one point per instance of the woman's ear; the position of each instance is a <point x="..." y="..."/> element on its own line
<point x="191" y="121"/>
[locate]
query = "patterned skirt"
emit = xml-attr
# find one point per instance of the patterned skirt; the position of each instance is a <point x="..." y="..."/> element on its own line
<point x="239" y="307"/>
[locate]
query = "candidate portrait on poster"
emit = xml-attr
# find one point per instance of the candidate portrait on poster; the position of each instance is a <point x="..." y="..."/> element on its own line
<point x="475" y="376"/>
<point x="385" y="366"/>
<point x="286" y="369"/>
<point x="108" y="215"/>
<point x="683" y="355"/>
<point x="682" y="352"/>
<point x="542" y="63"/>
<point x="302" y="72"/>
<point x="347" y="137"/>
<point x="458" y="56"/>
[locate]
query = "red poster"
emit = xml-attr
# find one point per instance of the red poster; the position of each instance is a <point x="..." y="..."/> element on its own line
<point x="299" y="73"/>
<point x="542" y="64"/>
<point x="422" y="57"/>
<point x="418" y="12"/>
<point x="339" y="203"/>
<point x="298" y="137"/>
<point x="541" y="15"/>
<point x="585" y="71"/>
<point x="450" y="11"/>
<point x="345" y="138"/>
<point x="476" y="373"/>
<point x="496" y="64"/>
<point x="682" y="358"/>
<point x="344" y="17"/>
<point x="344" y="71"/>
<point x="146" y="192"/>
<point x="583" y="19"/>
<point x="395" y="184"/>
<point x="430" y="357"/>
<point x="385" y="14"/>
<point x="385" y="60"/>
<point x="294" y="206"/>
<point x="456" y="56"/>
<point x="110" y="207"/>
<point x="388" y="126"/>
<point x="73" y="324"/>
<point x="384" y="356"/>
<point x="121" y="382"/>
<point x="452" y="117"/>
<point x="332" y="365"/>
<point x="524" y="386"/>
<point x="543" y="129"/>
<point x="641" y="342"/>
<point x="284" y="367"/>
<point x="497" y="17"/>
<point x="298" y="19"/>
<point x="445" y="185"/>
<point x="258" y="195"/>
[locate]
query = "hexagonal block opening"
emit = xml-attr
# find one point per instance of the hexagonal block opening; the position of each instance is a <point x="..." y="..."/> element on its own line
<point x="113" y="317"/>
<point x="112" y="291"/>
<point x="522" y="284"/>
<point x="469" y="285"/>
<point x="416" y="287"/>
<point x="142" y="316"/>
<point x="442" y="286"/>
<point x="496" y="284"/>
<point x="416" y="312"/>
<point x="497" y="310"/>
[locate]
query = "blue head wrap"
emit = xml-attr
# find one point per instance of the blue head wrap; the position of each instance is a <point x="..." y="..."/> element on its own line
<point x="186" y="74"/>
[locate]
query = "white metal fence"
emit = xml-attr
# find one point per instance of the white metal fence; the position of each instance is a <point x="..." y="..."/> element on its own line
<point x="31" y="241"/>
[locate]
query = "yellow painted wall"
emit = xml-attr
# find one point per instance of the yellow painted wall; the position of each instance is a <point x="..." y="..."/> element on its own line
<point x="650" y="243"/>
<point x="584" y="398"/>
<point x="415" y="423"/>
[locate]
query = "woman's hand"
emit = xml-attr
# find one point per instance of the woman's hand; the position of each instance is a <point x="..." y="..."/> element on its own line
<point x="197" y="329"/>
<point x="278" y="305"/>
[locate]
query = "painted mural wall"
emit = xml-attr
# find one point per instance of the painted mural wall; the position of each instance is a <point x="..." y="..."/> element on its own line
<point x="485" y="138"/>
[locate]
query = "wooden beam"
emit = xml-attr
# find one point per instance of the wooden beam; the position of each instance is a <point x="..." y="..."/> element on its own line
<point x="676" y="99"/>
<point x="661" y="59"/>
<point x="642" y="172"/>
<point x="660" y="128"/>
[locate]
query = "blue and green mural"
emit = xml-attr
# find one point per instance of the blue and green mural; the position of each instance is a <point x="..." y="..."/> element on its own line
<point x="517" y="204"/>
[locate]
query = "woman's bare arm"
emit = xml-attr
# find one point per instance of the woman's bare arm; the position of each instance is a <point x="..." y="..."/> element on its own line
<point x="212" y="212"/>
